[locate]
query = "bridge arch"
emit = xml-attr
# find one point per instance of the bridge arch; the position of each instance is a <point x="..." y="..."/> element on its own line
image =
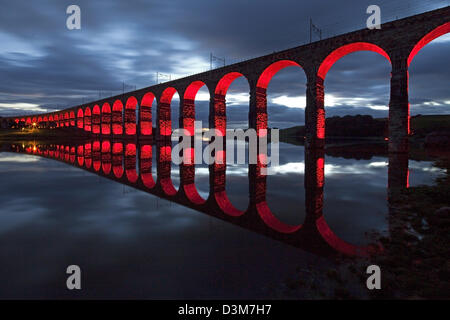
<point x="130" y="162"/>
<point x="72" y="118"/>
<point x="87" y="119"/>
<point x="145" y="114"/>
<point x="130" y="116"/>
<point x="66" y="119"/>
<point x="344" y="50"/>
<point x="272" y="69"/>
<point x="218" y="179"/>
<point x="106" y="157"/>
<point x="325" y="66"/>
<point x="164" y="112"/>
<point x="422" y="94"/>
<point x="146" y="165"/>
<point x="96" y="120"/>
<point x="96" y="155"/>
<point x="80" y="119"/>
<point x="117" y="159"/>
<point x="88" y="155"/>
<point x="117" y="118"/>
<point x="436" y="33"/>
<point x="80" y="155"/>
<point x="165" y="165"/>
<point x="106" y="119"/>
<point x="188" y="114"/>
<point x="265" y="197"/>
<point x="72" y="154"/>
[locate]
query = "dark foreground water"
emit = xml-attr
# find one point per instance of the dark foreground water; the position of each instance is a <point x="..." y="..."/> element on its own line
<point x="132" y="244"/>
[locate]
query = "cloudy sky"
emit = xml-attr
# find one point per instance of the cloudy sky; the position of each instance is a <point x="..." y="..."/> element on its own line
<point x="45" y="66"/>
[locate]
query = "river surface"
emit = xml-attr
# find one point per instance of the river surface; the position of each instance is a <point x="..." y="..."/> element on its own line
<point x="130" y="243"/>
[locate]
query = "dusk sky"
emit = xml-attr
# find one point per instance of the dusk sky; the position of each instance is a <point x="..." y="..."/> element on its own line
<point x="44" y="66"/>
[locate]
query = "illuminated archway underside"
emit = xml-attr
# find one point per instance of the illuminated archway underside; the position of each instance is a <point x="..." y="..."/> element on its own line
<point x="262" y="206"/>
<point x="436" y="33"/>
<point x="165" y="149"/>
<point x="220" y="125"/>
<point x="187" y="171"/>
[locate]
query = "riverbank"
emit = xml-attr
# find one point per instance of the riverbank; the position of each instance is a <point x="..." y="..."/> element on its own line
<point x="40" y="134"/>
<point x="414" y="263"/>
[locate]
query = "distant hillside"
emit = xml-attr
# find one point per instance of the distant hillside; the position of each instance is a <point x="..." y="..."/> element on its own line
<point x="367" y="126"/>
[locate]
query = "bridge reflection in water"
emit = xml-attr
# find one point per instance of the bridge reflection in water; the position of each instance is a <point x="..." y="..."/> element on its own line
<point x="130" y="163"/>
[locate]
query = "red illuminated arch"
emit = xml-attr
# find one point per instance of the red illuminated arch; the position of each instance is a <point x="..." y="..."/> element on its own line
<point x="146" y="166"/>
<point x="145" y="114"/>
<point x="342" y="246"/>
<point x="117" y="159"/>
<point x="61" y="120"/>
<point x="106" y="157"/>
<point x="188" y="169"/>
<point x="220" y="125"/>
<point x="96" y="119"/>
<point x="80" y="119"/>
<point x="439" y="31"/>
<point x="189" y="105"/>
<point x="340" y="52"/>
<point x="261" y="92"/>
<point x="55" y="118"/>
<point x="130" y="116"/>
<point x="96" y="155"/>
<point x="117" y="118"/>
<point x="164" y="170"/>
<point x="165" y="123"/>
<point x="72" y="154"/>
<point x="273" y="69"/>
<point x="106" y="119"/>
<point x="72" y="118"/>
<point x="130" y="162"/>
<point x="88" y="155"/>
<point x="66" y="153"/>
<point x="80" y="155"/>
<point x="66" y="119"/>
<point x="225" y="82"/>
<point x="326" y="65"/>
<point x="50" y="118"/>
<point x="28" y="122"/>
<point x="87" y="119"/>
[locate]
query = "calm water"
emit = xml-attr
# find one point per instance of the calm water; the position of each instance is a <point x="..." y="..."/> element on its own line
<point x="132" y="244"/>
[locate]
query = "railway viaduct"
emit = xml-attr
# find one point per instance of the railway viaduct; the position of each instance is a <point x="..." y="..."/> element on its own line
<point x="398" y="41"/>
